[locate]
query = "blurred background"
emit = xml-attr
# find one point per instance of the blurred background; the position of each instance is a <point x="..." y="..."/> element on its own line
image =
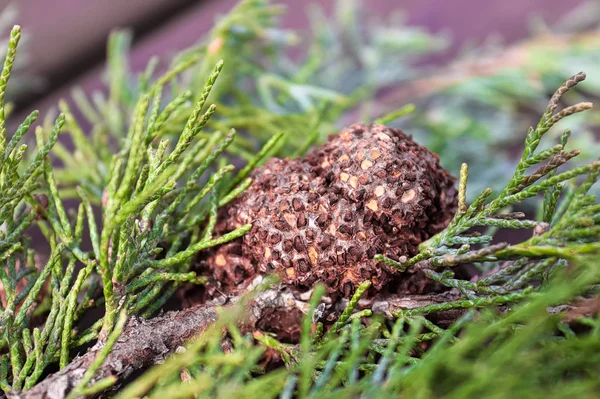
<point x="478" y="72"/>
<point x="67" y="40"/>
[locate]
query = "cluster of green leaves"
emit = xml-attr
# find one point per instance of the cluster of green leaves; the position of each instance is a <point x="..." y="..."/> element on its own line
<point x="21" y="280"/>
<point x="482" y="99"/>
<point x="486" y="353"/>
<point x="150" y="202"/>
<point x="251" y="97"/>
<point x="151" y="159"/>
<point x="355" y="52"/>
<point x="158" y="207"/>
<point x="263" y="94"/>
<point x="568" y="224"/>
<point x="155" y="162"/>
<point x="491" y="92"/>
<point x="523" y="352"/>
<point x="22" y="82"/>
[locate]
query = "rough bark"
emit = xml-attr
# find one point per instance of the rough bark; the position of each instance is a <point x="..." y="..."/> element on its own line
<point x="144" y="343"/>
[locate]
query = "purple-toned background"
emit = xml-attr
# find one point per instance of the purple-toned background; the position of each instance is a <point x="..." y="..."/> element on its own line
<point x="67" y="38"/>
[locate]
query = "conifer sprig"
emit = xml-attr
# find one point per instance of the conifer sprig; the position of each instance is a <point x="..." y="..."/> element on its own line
<point x="471" y="356"/>
<point x="157" y="167"/>
<point x="573" y="230"/>
<point x="144" y="200"/>
<point x="26" y="351"/>
<point x="154" y="213"/>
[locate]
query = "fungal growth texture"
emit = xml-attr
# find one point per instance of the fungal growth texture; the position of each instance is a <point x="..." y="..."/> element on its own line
<point x="322" y="218"/>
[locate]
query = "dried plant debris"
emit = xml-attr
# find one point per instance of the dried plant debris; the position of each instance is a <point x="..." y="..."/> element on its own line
<point x="322" y="218"/>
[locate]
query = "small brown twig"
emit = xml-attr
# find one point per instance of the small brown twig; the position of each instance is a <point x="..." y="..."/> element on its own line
<point x="144" y="343"/>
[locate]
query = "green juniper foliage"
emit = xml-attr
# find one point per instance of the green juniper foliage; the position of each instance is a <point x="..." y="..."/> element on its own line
<point x="490" y="92"/>
<point x="483" y="99"/>
<point x="525" y="352"/>
<point x="153" y="163"/>
<point x="250" y="98"/>
<point x="565" y="231"/>
<point x="501" y="355"/>
<point x="141" y="205"/>
<point x="21" y="81"/>
<point x="156" y="215"/>
<point x="261" y="94"/>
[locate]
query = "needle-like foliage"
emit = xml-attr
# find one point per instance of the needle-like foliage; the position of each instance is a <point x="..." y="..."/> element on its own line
<point x="155" y="159"/>
<point x="527" y="350"/>
<point x="568" y="227"/>
<point x="521" y="353"/>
